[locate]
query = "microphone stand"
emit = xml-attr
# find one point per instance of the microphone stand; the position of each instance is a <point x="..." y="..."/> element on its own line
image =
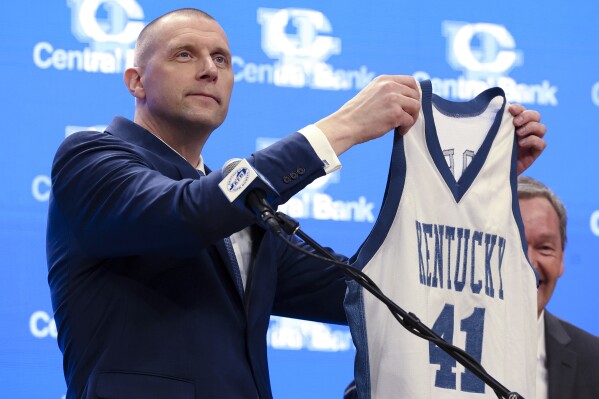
<point x="407" y="319"/>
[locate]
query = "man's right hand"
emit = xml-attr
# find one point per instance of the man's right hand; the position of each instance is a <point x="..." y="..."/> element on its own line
<point x="386" y="103"/>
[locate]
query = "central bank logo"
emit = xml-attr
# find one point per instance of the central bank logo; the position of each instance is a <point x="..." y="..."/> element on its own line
<point x="313" y="202"/>
<point x="300" y="41"/>
<point x="485" y="54"/>
<point x="481" y="50"/>
<point x="106" y="24"/>
<point x="109" y="28"/>
<point x="292" y="334"/>
<point x="595" y="94"/>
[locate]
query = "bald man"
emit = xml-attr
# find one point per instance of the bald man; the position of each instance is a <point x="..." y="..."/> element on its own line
<point x="161" y="287"/>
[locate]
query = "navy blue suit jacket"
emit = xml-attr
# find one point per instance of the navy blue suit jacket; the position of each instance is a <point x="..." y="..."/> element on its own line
<point x="572" y="360"/>
<point x="142" y="288"/>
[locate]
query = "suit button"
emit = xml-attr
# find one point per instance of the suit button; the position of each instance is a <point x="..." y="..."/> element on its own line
<point x="300" y="171"/>
<point x="293" y="175"/>
<point x="286" y="179"/>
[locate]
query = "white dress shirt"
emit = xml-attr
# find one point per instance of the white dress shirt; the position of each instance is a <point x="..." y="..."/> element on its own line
<point x="542" y="382"/>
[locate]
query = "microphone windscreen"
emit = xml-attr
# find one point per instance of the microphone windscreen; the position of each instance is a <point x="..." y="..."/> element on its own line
<point x="230" y="165"/>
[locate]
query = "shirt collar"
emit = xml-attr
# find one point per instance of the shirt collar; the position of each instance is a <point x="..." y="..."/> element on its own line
<point x="199" y="166"/>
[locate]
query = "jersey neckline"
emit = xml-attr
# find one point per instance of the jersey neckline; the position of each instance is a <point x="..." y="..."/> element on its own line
<point x="470" y="108"/>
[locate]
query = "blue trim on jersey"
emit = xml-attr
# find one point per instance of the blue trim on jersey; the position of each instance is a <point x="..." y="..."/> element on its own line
<point x="393" y="191"/>
<point x="516" y="205"/>
<point x="473" y="107"/>
<point x="354" y="308"/>
<point x="354" y="298"/>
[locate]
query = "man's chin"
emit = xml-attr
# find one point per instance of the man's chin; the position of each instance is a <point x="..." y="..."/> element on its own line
<point x="203" y="122"/>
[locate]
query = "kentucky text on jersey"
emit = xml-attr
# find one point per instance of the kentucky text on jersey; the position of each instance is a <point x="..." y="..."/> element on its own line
<point x="474" y="256"/>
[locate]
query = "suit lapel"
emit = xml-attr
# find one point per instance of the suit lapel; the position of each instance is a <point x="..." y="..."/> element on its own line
<point x="561" y="361"/>
<point x="169" y="163"/>
<point x="161" y="156"/>
<point x="232" y="266"/>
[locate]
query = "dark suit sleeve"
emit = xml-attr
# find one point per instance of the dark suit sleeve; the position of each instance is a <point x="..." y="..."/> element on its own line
<point x="118" y="202"/>
<point x="309" y="288"/>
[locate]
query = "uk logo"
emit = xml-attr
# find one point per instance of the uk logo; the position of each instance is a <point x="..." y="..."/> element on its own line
<point x="300" y="41"/>
<point x="310" y="42"/>
<point x="109" y="27"/>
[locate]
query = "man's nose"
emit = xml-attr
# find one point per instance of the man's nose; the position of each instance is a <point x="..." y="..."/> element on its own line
<point x="207" y="70"/>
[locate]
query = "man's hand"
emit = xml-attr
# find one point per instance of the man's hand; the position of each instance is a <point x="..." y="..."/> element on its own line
<point x="386" y="103"/>
<point x="530" y="132"/>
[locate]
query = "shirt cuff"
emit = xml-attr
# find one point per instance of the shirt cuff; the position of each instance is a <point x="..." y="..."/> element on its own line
<point x="322" y="148"/>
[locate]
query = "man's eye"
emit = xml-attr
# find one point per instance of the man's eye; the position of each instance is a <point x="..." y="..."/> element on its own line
<point x="546" y="249"/>
<point x="219" y="59"/>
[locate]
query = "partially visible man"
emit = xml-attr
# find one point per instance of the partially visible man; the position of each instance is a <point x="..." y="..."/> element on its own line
<point x="568" y="357"/>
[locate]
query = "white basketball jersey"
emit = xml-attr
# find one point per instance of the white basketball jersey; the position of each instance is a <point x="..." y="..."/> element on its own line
<point x="449" y="246"/>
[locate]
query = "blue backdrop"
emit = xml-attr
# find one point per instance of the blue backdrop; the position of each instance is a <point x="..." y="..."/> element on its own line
<point x="61" y="65"/>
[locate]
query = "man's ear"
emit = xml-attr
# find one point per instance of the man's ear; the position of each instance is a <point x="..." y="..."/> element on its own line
<point x="132" y="78"/>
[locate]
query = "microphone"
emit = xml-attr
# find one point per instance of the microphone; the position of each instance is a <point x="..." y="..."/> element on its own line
<point x="246" y="187"/>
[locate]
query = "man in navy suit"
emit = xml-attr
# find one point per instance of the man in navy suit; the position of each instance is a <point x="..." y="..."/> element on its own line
<point x="161" y="287"/>
<point x="568" y="357"/>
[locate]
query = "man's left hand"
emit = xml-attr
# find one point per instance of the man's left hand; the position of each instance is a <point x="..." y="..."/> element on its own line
<point x="530" y="132"/>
